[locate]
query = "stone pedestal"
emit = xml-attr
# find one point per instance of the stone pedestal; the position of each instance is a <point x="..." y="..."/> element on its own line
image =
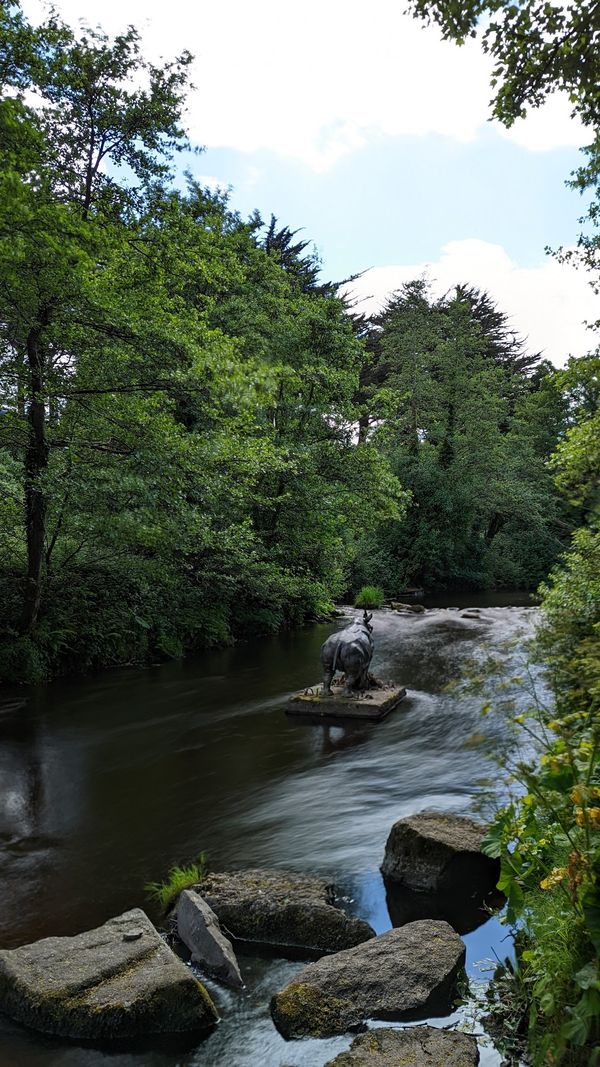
<point x="372" y="704"/>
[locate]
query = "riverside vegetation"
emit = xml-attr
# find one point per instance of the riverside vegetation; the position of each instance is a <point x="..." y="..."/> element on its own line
<point x="547" y="1005"/>
<point x="199" y="438"/>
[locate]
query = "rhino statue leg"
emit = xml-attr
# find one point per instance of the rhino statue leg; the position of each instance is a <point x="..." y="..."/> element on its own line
<point x="353" y="680"/>
<point x="327" y="678"/>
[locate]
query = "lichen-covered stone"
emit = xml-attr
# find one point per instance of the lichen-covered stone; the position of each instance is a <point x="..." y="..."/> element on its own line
<point x="104" y="984"/>
<point x="410" y="973"/>
<point x="288" y="911"/>
<point x="198" y="928"/>
<point x="437" y="852"/>
<point x="417" y="1047"/>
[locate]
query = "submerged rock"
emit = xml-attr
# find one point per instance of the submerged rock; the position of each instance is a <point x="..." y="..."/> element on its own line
<point x="408" y="973"/>
<point x="439" y="853"/>
<point x="416" y="1047"/>
<point x="104" y="984"/>
<point x="198" y="928"/>
<point x="287" y="911"/>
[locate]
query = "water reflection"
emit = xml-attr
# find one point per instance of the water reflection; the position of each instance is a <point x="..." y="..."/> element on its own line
<point x="465" y="914"/>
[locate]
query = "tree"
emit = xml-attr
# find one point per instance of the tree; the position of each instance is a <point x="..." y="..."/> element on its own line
<point x="62" y="211"/>
<point x="538" y="49"/>
<point x="577" y="458"/>
<point x="177" y="392"/>
<point x="468" y="420"/>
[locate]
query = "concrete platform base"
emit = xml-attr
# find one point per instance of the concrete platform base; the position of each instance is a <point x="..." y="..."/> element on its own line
<point x="373" y="704"/>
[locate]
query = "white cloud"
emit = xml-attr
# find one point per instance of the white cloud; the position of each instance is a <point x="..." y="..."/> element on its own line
<point x="547" y="303"/>
<point x="317" y="80"/>
<point x="212" y="183"/>
<point x="550" y="126"/>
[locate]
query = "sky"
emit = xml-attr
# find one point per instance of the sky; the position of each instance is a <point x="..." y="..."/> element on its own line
<point x="363" y="129"/>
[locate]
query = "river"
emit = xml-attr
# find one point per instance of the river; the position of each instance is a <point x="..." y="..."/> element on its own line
<point x="108" y="781"/>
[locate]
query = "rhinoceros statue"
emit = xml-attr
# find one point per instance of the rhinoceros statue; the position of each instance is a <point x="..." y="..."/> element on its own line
<point x="349" y="650"/>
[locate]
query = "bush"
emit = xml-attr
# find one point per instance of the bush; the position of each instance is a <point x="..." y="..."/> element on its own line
<point x="370" y="596"/>
<point x="548" y="838"/>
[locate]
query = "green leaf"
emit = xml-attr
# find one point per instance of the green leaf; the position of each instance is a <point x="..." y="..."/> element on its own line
<point x="587" y="977"/>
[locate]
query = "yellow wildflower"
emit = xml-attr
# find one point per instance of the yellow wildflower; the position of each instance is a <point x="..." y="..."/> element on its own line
<point x="556" y="875"/>
<point x="594" y="817"/>
<point x="578" y="794"/>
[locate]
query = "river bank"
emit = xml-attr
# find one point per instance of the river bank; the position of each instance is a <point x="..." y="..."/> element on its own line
<point x="111" y="780"/>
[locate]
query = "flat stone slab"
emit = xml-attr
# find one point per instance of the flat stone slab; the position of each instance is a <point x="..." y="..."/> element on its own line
<point x="120" y="980"/>
<point x="198" y="928"/>
<point x="374" y="704"/>
<point x="290" y="912"/>
<point x="410" y="973"/>
<point x="417" y="1047"/>
<point x="438" y="852"/>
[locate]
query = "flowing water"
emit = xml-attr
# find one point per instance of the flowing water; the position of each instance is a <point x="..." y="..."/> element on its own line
<point x="106" y="782"/>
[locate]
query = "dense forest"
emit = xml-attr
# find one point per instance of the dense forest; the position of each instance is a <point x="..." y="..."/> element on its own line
<point x="199" y="437"/>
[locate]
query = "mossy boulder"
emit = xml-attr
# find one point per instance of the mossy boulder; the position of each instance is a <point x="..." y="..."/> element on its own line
<point x="410" y="1048"/>
<point x="410" y="973"/>
<point x="293" y="913"/>
<point x="435" y="852"/>
<point x="118" y="981"/>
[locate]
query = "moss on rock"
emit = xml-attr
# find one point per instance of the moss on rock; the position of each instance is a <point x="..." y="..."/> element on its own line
<point x="303" y="1011"/>
<point x="409" y="974"/>
<point x="410" y="1048"/>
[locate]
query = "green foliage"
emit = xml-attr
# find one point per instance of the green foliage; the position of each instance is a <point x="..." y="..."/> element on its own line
<point x="467" y="420"/>
<point x="505" y="1008"/>
<point x="548" y="838"/>
<point x="180" y="878"/>
<point x="177" y="390"/>
<point x="370" y="596"/>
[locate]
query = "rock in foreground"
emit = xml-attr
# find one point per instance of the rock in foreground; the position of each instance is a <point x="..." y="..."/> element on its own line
<point x="198" y="928"/>
<point x="438" y="853"/>
<point x="408" y="973"/>
<point x="120" y="980"/>
<point x="283" y="910"/>
<point x="416" y="1047"/>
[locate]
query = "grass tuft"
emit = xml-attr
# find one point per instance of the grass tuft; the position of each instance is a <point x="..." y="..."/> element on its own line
<point x="180" y="878"/>
<point x="370" y="596"/>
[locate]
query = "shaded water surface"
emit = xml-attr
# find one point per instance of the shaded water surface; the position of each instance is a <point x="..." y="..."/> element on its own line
<point x="108" y="781"/>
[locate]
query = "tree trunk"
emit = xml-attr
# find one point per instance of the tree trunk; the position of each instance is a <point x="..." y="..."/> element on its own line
<point x="495" y="524"/>
<point x="36" y="463"/>
<point x="446" y="453"/>
<point x="363" y="429"/>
